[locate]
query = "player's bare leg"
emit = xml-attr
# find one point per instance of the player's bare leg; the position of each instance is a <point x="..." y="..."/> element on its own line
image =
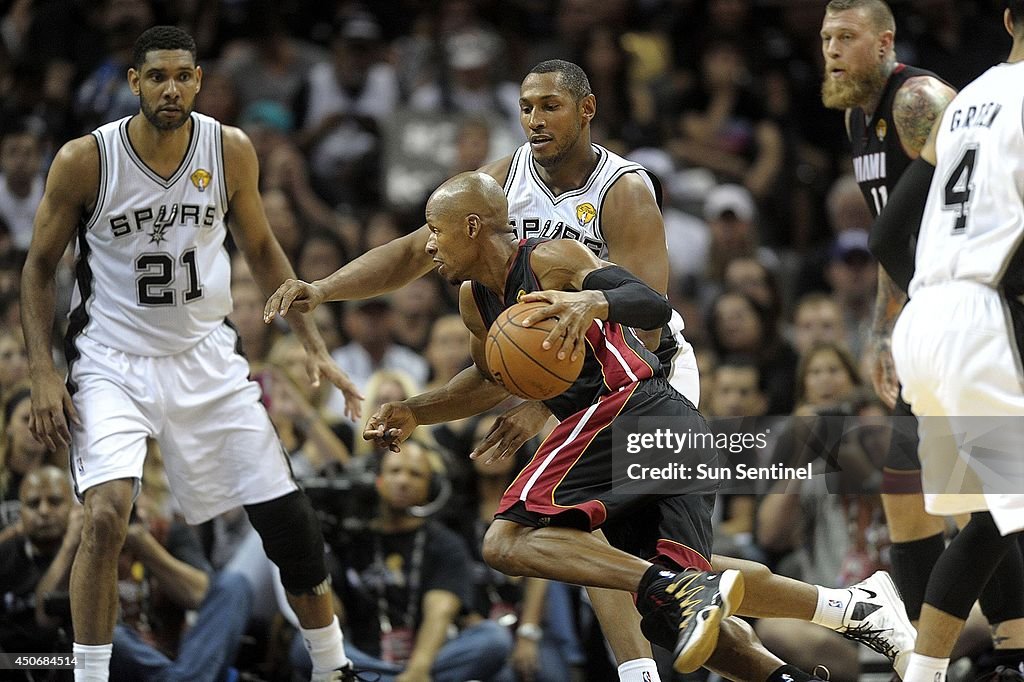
<point x="93" y="582"/>
<point x="703" y="599"/>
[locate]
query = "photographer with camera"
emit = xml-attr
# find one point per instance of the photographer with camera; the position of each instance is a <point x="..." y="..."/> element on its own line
<point x="34" y="564"/>
<point x="403" y="579"/>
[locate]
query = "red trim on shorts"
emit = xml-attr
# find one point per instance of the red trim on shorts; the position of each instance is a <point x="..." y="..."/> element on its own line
<point x="896" y="482"/>
<point x="677" y="555"/>
<point x="550" y="470"/>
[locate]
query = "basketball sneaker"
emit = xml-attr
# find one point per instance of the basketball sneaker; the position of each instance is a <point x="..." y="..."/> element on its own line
<point x="346" y="674"/>
<point x="682" y="612"/>
<point x="876" y="618"/>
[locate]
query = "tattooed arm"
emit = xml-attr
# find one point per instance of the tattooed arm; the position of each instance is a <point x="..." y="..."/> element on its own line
<point x="917" y="106"/>
<point x="919" y="103"/>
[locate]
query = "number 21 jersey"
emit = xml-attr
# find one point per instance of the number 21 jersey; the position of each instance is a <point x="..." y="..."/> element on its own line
<point x="152" y="274"/>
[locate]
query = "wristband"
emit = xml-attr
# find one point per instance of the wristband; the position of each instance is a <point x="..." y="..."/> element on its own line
<point x="530" y="631"/>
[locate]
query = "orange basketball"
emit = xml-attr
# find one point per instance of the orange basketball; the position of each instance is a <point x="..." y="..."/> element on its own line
<point x="519" y="363"/>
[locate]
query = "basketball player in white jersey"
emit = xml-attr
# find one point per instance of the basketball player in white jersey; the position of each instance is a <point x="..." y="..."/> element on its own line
<point x="561" y="185"/>
<point x="965" y="363"/>
<point x="148" y="349"/>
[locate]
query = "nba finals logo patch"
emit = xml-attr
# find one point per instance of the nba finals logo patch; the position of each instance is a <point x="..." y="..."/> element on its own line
<point x="201" y="179"/>
<point x="585" y="213"/>
<point x="881" y="128"/>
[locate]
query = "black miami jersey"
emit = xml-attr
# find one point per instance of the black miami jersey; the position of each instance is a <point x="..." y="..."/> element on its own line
<point x="878" y="155"/>
<point x="615" y="357"/>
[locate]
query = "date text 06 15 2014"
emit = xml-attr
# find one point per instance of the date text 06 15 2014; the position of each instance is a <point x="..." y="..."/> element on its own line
<point x="9" y="661"/>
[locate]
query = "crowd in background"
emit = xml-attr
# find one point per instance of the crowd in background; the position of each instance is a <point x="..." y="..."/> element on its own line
<point x="357" y="111"/>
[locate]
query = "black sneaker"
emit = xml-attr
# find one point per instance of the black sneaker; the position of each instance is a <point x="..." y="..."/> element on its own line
<point x="682" y="612"/>
<point x="347" y="674"/>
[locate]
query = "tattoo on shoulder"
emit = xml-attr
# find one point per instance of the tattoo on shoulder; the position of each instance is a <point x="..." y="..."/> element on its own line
<point x="916" y="107"/>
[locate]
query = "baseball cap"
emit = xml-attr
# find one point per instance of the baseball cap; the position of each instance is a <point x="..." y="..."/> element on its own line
<point x="730" y="198"/>
<point x="849" y="245"/>
<point x="468" y="51"/>
<point x="360" y="26"/>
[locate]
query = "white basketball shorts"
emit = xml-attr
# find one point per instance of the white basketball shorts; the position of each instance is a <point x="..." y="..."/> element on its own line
<point x="219" y="447"/>
<point x="684" y="377"/>
<point x="957" y="357"/>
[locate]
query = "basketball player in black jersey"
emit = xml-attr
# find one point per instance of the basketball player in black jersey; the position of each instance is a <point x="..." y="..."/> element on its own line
<point x="559" y="104"/>
<point x="890" y="110"/>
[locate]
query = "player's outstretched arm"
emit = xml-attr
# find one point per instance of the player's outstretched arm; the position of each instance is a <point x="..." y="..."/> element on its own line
<point x="266" y="258"/>
<point x="70" y="189"/>
<point x="378" y="271"/>
<point x="470" y="392"/>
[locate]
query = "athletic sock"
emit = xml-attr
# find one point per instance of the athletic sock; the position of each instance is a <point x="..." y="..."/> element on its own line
<point x="92" y="662"/>
<point x="925" y="669"/>
<point x="831" y="606"/>
<point x="325" y="646"/>
<point x="639" y="670"/>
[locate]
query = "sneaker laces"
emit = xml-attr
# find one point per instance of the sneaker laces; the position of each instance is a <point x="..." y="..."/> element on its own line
<point x="688" y="598"/>
<point x="872" y="638"/>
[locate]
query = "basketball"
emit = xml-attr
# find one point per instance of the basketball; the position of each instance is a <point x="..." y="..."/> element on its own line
<point x="519" y="362"/>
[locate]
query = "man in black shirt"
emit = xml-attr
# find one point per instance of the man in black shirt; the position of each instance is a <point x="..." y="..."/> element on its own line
<point x="45" y="496"/>
<point x="403" y="581"/>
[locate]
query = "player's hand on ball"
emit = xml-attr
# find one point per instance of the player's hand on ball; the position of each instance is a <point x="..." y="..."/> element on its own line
<point x="511" y="430"/>
<point x="574" y="311"/>
<point x="392" y="424"/>
<point x="294" y="294"/>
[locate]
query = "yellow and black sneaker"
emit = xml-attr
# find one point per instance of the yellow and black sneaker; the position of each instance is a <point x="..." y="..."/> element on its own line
<point x="682" y="611"/>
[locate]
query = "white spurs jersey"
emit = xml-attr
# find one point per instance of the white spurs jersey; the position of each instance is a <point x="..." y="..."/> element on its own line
<point x="535" y="212"/>
<point x="152" y="273"/>
<point x="973" y="225"/>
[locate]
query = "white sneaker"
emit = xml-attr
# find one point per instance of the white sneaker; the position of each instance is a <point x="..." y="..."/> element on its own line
<point x="877" y="619"/>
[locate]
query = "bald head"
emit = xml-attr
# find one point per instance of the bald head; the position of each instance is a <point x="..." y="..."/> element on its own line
<point x="473" y="193"/>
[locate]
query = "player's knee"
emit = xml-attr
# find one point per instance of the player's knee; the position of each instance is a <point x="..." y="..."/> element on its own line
<point x="106" y="517"/>
<point x="292" y="539"/>
<point x="501" y="546"/>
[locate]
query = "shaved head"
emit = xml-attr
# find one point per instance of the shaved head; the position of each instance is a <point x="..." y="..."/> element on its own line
<point x="471" y="193"/>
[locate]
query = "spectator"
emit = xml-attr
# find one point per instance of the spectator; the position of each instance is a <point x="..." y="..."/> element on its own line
<point x="826" y="375"/>
<point x="738" y="325"/>
<point x="320" y="254"/>
<point x="730" y="213"/>
<point x="403" y="581"/>
<point x="749" y="276"/>
<point x="416" y="306"/>
<point x="817" y="319"/>
<point x="340" y="110"/>
<point x="20" y="455"/>
<point x="21" y="183"/>
<point x="369" y="324"/>
<point x="852" y="274"/>
<point x="246" y="316"/>
<point x="13" y="361"/>
<point x="447" y="350"/>
<point x="737" y="389"/>
<point x="31" y="560"/>
<point x="723" y="126"/>
<point x="384" y="386"/>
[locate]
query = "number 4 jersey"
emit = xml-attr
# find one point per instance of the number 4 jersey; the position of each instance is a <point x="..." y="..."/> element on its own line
<point x="152" y="273"/>
<point x="973" y="225"/>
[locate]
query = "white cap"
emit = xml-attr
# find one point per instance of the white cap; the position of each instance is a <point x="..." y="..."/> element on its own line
<point x="730" y="198"/>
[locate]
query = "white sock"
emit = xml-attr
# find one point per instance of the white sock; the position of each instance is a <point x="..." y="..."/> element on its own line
<point x="925" y="669"/>
<point x="325" y="647"/>
<point x="831" y="606"/>
<point x="92" y="662"/>
<point x="637" y="669"/>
